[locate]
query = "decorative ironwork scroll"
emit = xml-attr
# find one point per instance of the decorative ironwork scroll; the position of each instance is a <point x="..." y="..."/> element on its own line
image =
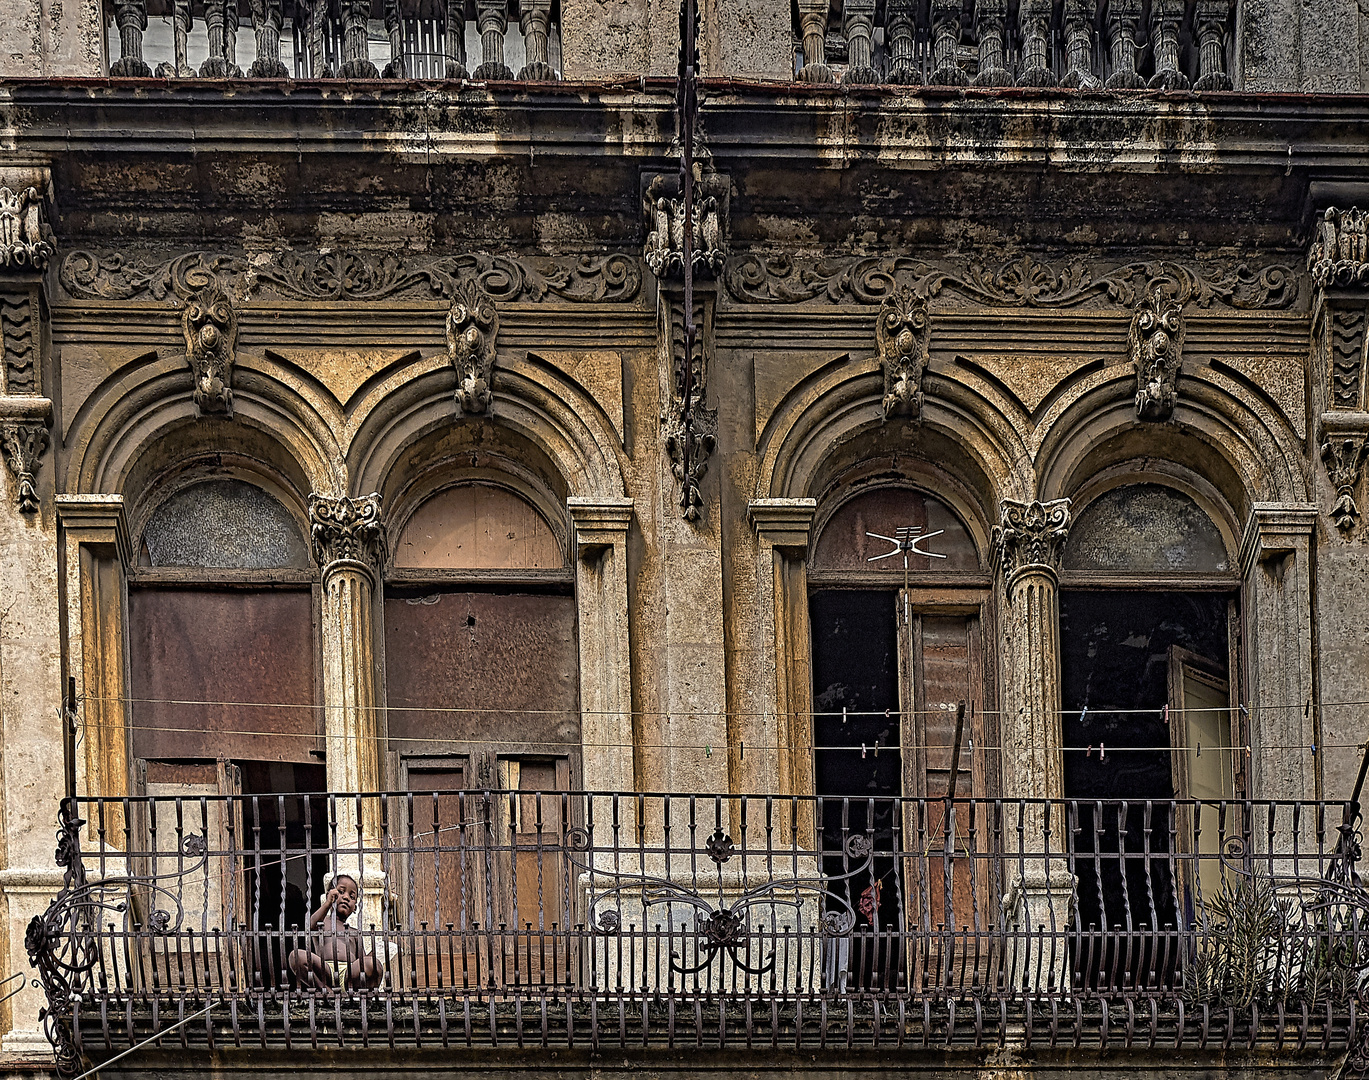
<point x="62" y="944"/>
<point x="720" y="927"/>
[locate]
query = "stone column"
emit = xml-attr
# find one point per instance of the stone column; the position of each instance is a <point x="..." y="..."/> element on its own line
<point x="1276" y="594"/>
<point x="1027" y="549"/>
<point x="349" y="547"/>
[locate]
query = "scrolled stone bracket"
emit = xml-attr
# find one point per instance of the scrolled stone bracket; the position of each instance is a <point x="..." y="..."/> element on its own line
<point x="347" y="534"/>
<point x="1344" y="443"/>
<point x="24" y="232"/>
<point x="24" y="437"/>
<point x="663" y="203"/>
<point x="472" y="324"/>
<point x="1155" y="345"/>
<point x="1339" y="256"/>
<point x="1030" y="538"/>
<point x="903" y="334"/>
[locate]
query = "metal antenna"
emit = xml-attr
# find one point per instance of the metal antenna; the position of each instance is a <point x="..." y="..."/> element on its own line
<point x="906" y="539"/>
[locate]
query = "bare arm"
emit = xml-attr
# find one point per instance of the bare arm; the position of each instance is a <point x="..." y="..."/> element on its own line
<point x="317" y="917"/>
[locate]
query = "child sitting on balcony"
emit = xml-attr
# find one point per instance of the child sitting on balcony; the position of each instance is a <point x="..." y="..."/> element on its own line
<point x="336" y="956"/>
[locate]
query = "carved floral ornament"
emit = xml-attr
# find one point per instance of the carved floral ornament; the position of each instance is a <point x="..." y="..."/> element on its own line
<point x="1031" y="535"/>
<point x="347" y="531"/>
<point x="1340" y="249"/>
<point x="1343" y="452"/>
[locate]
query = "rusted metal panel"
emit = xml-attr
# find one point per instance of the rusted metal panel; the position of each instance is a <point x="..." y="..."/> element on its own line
<point x="499" y="670"/>
<point x="248" y="652"/>
<point x="846" y="544"/>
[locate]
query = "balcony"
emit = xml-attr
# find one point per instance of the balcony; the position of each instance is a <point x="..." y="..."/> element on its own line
<point x="498" y="918"/>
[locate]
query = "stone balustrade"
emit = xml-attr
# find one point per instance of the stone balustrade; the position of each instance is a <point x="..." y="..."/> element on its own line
<point x="354" y="39"/>
<point x="1085" y="44"/>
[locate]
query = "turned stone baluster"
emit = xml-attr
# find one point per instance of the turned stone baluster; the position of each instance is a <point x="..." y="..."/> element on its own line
<point x="1165" y="16"/>
<point x="1124" y="16"/>
<point x="813" y="24"/>
<point x="131" y="17"/>
<point x="315" y="16"/>
<point x="492" y="19"/>
<point x="535" y="22"/>
<point x="900" y="29"/>
<point x="181" y="22"/>
<point x="990" y="17"/>
<point x="394" y="30"/>
<point x="1035" y="19"/>
<point x="1210" y="24"/>
<point x="859" y="27"/>
<point x="946" y="69"/>
<point x="217" y="15"/>
<point x="356" y="49"/>
<point x="266" y="22"/>
<point x="1079" y="45"/>
<point x="456" y="40"/>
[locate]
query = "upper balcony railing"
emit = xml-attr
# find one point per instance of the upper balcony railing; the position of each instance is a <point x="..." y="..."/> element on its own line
<point x="486" y="917"/>
<point x="355" y="39"/>
<point x="1088" y="44"/>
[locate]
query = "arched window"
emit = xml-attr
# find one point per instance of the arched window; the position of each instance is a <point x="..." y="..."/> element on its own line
<point x="482" y="691"/>
<point x="897" y="601"/>
<point x="1148" y="633"/>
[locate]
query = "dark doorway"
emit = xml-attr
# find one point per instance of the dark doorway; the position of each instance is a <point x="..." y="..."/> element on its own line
<point x="1116" y="657"/>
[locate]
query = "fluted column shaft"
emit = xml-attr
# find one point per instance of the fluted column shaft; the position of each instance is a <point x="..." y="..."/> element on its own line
<point x="349" y="545"/>
<point x="1028" y="544"/>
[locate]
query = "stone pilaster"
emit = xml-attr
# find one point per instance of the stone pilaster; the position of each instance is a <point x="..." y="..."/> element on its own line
<point x="349" y="546"/>
<point x="1027" y="549"/>
<point x="1277" y="600"/>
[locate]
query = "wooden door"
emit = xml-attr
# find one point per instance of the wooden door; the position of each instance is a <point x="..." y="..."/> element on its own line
<point x="949" y="880"/>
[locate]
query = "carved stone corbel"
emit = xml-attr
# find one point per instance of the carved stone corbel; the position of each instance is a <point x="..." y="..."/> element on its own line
<point x="1339" y="256"/>
<point x="1343" y="445"/>
<point x="664" y="205"/>
<point x="22" y="243"/>
<point x="690" y="435"/>
<point x="1156" y="347"/>
<point x="210" y="325"/>
<point x="346" y="533"/>
<point x="902" y="336"/>
<point x="23" y="443"/>
<point x="472" y="323"/>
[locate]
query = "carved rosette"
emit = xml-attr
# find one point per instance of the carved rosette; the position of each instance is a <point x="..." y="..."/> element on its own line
<point x="1031" y="536"/>
<point x="210" y="325"/>
<point x="23" y="443"/>
<point x="664" y="205"/>
<point x="1156" y="347"/>
<point x="472" y="323"/>
<point x="21" y="229"/>
<point x="347" y="532"/>
<point x="1343" y="453"/>
<point x="1340" y="249"/>
<point x="902" y="334"/>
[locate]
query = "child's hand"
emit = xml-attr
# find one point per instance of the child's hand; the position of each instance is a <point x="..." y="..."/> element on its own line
<point x="331" y="900"/>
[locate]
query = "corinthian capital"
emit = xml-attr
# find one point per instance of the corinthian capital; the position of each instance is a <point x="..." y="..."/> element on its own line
<point x="347" y="531"/>
<point x="1032" y="534"/>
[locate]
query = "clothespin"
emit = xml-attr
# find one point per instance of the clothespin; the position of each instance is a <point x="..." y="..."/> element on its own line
<point x="1102" y="752"/>
<point x="862" y="751"/>
<point x="1089" y="752"/>
<point x="708" y="751"/>
<point x="876" y="746"/>
<point x="1307" y="708"/>
<point x="1084" y="714"/>
<point x="1314" y="749"/>
<point x="1200" y="749"/>
<point x="1164" y="714"/>
<point x="1244" y="711"/>
<point x="843" y="714"/>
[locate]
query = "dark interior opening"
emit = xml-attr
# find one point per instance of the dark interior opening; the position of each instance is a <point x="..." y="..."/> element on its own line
<point x="1115" y="661"/>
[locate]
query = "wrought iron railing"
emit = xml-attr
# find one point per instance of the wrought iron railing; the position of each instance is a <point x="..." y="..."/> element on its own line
<point x="489" y="916"/>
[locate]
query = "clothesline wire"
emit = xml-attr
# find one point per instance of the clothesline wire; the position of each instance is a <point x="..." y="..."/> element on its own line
<point x="870" y="748"/>
<point x="947" y="707"/>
